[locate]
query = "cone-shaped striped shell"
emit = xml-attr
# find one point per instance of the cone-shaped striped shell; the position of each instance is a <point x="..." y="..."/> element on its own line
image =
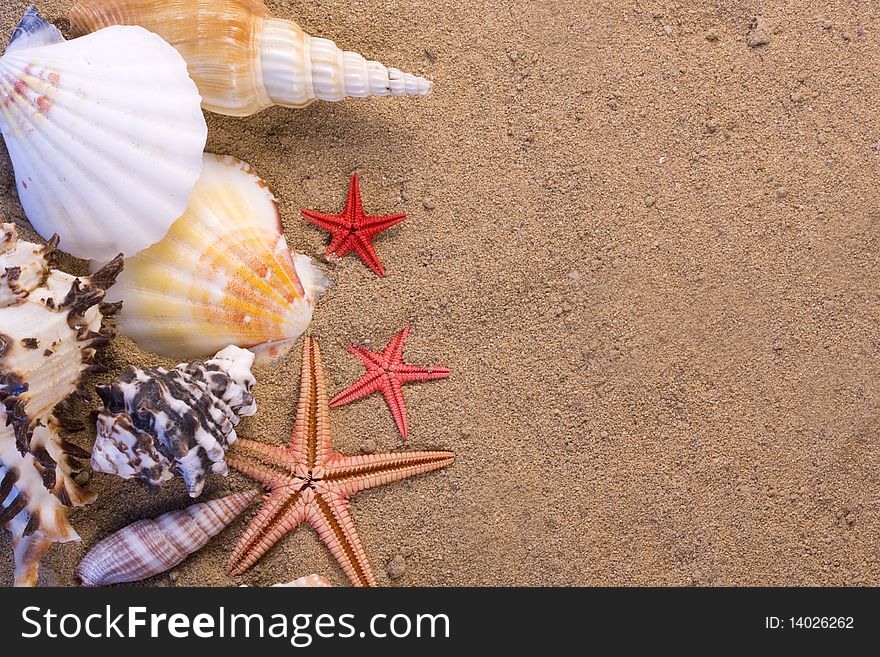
<point x="149" y="547"/>
<point x="104" y="132"/>
<point x="223" y="275"/>
<point x="244" y="60"/>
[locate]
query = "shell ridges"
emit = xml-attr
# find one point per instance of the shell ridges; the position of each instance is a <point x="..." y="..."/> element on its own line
<point x="223" y="275"/>
<point x="149" y="547"/>
<point x="105" y="135"/>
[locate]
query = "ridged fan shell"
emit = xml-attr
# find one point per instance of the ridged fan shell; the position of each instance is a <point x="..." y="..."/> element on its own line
<point x="105" y="134"/>
<point x="307" y="581"/>
<point x="223" y="275"/>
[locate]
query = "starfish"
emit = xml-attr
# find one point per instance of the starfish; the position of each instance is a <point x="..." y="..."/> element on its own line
<point x="309" y="482"/>
<point x="386" y="373"/>
<point x="352" y="230"/>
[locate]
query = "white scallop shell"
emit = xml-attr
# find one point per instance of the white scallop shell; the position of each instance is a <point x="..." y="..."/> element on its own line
<point x="105" y="134"/>
<point x="223" y="275"/>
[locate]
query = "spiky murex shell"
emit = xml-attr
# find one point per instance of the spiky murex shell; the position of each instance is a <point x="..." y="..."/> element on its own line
<point x="158" y="422"/>
<point x="50" y="326"/>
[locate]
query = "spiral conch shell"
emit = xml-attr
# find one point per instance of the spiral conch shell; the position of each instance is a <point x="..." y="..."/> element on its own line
<point x="149" y="547"/>
<point x="50" y="326"/>
<point x="105" y="134"/>
<point x="244" y="60"/>
<point x="223" y="275"/>
<point x="157" y="422"/>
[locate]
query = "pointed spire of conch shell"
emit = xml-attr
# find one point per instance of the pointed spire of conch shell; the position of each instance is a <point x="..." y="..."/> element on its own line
<point x="244" y="60"/>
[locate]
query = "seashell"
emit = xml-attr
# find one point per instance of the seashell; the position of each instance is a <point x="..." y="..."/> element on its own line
<point x="223" y="274"/>
<point x="149" y="547"/>
<point x="308" y="581"/>
<point x="104" y="132"/>
<point x="50" y="327"/>
<point x="159" y="421"/>
<point x="245" y="60"/>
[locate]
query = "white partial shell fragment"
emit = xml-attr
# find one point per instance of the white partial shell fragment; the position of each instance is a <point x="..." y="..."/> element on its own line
<point x="159" y="422"/>
<point x="105" y="134"/>
<point x="307" y="581"/>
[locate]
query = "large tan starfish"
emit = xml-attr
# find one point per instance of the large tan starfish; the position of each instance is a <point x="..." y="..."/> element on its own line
<point x="309" y="482"/>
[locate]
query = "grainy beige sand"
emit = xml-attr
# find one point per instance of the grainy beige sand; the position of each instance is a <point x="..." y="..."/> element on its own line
<point x="648" y="252"/>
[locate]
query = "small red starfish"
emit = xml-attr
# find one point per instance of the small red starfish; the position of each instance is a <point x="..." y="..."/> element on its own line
<point x="309" y="482"/>
<point x="352" y="230"/>
<point x="386" y="372"/>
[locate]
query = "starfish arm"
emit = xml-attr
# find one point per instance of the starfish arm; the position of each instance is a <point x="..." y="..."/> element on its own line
<point x="330" y="222"/>
<point x="394" y="351"/>
<point x="370" y="359"/>
<point x="340" y="245"/>
<point x="268" y="464"/>
<point x="353" y="205"/>
<point x="363" y="387"/>
<point x="411" y="373"/>
<point x="329" y="515"/>
<point x="394" y="398"/>
<point x="372" y="226"/>
<point x="282" y="511"/>
<point x="310" y="443"/>
<point x="367" y="252"/>
<point x="351" y="474"/>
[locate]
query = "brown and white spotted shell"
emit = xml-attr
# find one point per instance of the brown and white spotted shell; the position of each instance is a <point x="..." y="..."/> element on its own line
<point x="157" y="422"/>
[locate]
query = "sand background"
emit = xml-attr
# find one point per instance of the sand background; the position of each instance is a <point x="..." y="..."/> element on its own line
<point x="648" y="252"/>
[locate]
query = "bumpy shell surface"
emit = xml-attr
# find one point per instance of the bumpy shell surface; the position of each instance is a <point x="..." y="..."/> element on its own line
<point x="149" y="547"/>
<point x="157" y="422"/>
<point x="104" y="132"/>
<point x="244" y="60"/>
<point x="50" y="326"/>
<point x="223" y="275"/>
